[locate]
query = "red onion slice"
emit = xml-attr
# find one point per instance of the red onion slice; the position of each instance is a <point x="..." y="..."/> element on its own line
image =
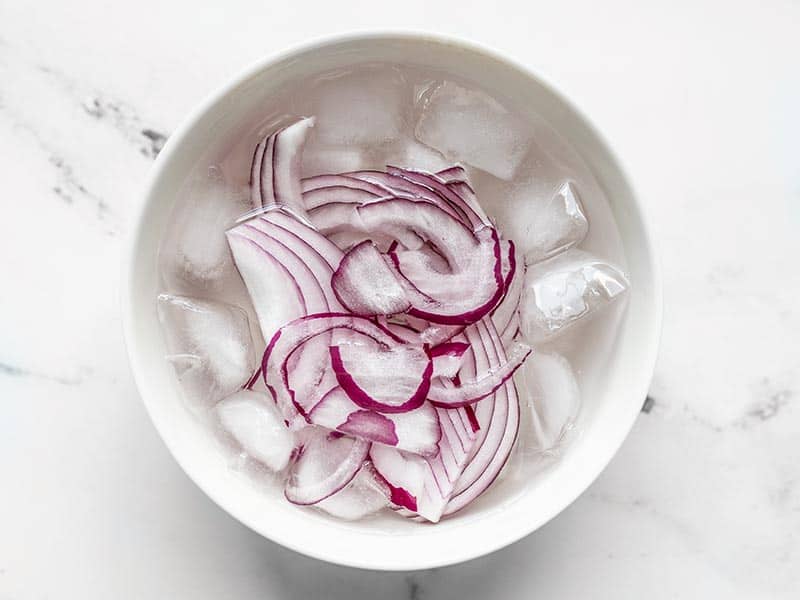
<point x="498" y="417"/>
<point x="292" y="336"/>
<point x="424" y="486"/>
<point x="343" y="194"/>
<point x="514" y="275"/>
<point x="322" y="245"/>
<point x="468" y="392"/>
<point x="275" y="172"/>
<point x="470" y="216"/>
<point x="417" y="431"/>
<point x="325" y="465"/>
<point x="397" y="186"/>
<point x="391" y="380"/>
<point x="366" y="285"/>
<point x="341" y="223"/>
<point x="276" y="294"/>
<point x="327" y="181"/>
<point x="311" y="363"/>
<point x="419" y="331"/>
<point x="475" y="283"/>
<point x="447" y="358"/>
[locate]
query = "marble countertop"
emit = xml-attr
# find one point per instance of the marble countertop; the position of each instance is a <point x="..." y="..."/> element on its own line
<point x="701" y="101"/>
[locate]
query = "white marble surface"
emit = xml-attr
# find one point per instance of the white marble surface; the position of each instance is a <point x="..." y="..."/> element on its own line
<point x="701" y="100"/>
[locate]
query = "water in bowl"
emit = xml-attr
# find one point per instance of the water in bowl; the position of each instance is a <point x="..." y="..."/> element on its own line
<point x="533" y="185"/>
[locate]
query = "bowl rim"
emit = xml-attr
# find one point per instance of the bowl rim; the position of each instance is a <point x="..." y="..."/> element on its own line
<point x="138" y="222"/>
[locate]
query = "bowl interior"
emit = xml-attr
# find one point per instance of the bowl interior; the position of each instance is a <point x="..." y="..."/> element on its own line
<point x="618" y="383"/>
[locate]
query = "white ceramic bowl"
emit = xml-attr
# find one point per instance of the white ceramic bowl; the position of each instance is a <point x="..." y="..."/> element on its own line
<point x="392" y="544"/>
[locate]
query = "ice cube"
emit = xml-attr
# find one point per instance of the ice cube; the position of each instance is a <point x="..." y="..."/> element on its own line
<point x="209" y="345"/>
<point x="361" y="497"/>
<point x="367" y="108"/>
<point x="557" y="224"/>
<point x="551" y="392"/>
<point x="563" y="290"/>
<point x="469" y="126"/>
<point x="252" y="419"/>
<point x="195" y="250"/>
<point x="410" y="154"/>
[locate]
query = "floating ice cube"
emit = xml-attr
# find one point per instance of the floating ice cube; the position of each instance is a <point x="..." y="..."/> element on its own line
<point x="557" y="224"/>
<point x="252" y="419"/>
<point x="410" y="154"/>
<point x="196" y="251"/>
<point x="551" y="391"/>
<point x="361" y="497"/>
<point x="209" y="345"/>
<point x="469" y="126"/>
<point x="365" y="109"/>
<point x="563" y="290"/>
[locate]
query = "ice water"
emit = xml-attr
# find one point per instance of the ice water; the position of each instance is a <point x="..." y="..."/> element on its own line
<point x="532" y="183"/>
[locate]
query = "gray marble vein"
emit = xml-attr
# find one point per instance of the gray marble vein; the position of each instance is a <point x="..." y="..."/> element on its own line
<point x="10" y="370"/>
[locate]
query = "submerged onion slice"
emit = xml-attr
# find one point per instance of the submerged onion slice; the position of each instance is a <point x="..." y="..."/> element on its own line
<point x="390" y="380"/>
<point x="403" y="473"/>
<point x="325" y="465"/>
<point x="423" y="486"/>
<point x="417" y="431"/>
<point x="473" y="284"/>
<point x="470" y="216"/>
<point x="468" y="392"/>
<point x="276" y="294"/>
<point x="497" y="417"/>
<point x="292" y="336"/>
<point x="513" y="277"/>
<point x="366" y="285"/>
<point x="275" y="172"/>
<point x="447" y="358"/>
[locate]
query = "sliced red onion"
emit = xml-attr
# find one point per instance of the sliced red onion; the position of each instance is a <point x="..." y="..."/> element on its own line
<point x="275" y="173"/>
<point x="475" y="283"/>
<point x="320" y="269"/>
<point x="276" y="294"/>
<point x="447" y="358"/>
<point x="292" y="336"/>
<point x="453" y="174"/>
<point x="325" y="465"/>
<point x="328" y="181"/>
<point x="343" y="194"/>
<point x="391" y="380"/>
<point x="397" y="186"/>
<point x="424" y="259"/>
<point x="472" y="418"/>
<point x="416" y="431"/>
<point x="498" y="417"/>
<point x="510" y="333"/>
<point x="468" y="392"/>
<point x="403" y="473"/>
<point x="366" y="285"/>
<point x="311" y="363"/>
<point x="341" y="223"/>
<point x="453" y="199"/>
<point x="419" y="331"/>
<point x="514" y="275"/>
<point x="425" y="485"/>
<point x="322" y="245"/>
